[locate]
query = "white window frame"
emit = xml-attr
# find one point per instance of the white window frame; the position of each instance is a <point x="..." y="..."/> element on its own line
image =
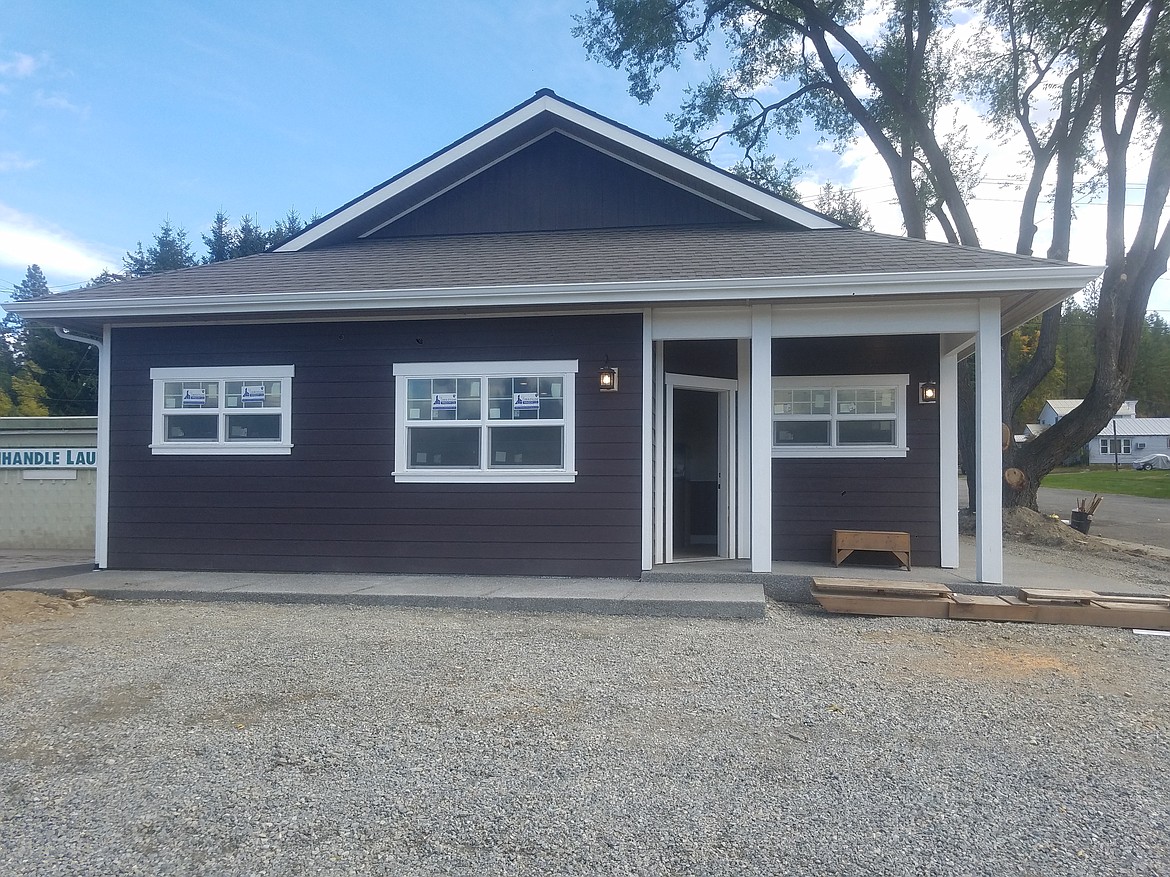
<point x="566" y="369"/>
<point x="220" y="374"/>
<point x="1125" y="446"/>
<point x="899" y="383"/>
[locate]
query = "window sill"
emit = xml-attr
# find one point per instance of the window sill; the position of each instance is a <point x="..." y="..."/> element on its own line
<point x="835" y="453"/>
<point x="218" y="450"/>
<point x="472" y="476"/>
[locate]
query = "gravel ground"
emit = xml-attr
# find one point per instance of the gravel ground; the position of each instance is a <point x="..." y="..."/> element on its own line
<point x="161" y="738"/>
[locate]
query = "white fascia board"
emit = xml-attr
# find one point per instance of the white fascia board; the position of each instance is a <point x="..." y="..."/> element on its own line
<point x="546" y="103"/>
<point x="843" y="286"/>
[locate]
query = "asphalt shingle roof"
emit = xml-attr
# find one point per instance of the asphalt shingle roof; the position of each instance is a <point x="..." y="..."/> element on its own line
<point x="738" y="251"/>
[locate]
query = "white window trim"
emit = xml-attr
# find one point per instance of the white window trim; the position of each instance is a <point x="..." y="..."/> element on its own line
<point x="565" y="474"/>
<point x="159" y="377"/>
<point x="898" y="382"/>
<point x="1125" y="446"/>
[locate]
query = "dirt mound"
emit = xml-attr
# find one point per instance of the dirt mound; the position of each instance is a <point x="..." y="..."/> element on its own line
<point x="23" y="606"/>
<point x="1025" y="525"/>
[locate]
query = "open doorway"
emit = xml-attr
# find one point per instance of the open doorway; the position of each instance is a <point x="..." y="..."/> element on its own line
<point x="700" y="481"/>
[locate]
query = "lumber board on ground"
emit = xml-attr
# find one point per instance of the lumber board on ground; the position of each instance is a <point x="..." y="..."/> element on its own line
<point x="1057" y="595"/>
<point x="869" y="586"/>
<point x="1036" y="605"/>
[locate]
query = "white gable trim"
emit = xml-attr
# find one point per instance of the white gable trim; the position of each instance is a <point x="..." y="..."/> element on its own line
<point x="573" y="115"/>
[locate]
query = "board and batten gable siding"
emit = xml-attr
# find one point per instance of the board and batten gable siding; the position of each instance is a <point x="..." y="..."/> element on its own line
<point x="557" y="184"/>
<point x="813" y="497"/>
<point x="332" y="504"/>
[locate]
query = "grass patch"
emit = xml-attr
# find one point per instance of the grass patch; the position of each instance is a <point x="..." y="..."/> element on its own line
<point x="1126" y="482"/>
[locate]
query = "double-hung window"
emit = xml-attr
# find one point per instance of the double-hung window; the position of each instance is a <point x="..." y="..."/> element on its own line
<point x="1115" y="446"/>
<point x="222" y="410"/>
<point x="475" y="421"/>
<point x="839" y="416"/>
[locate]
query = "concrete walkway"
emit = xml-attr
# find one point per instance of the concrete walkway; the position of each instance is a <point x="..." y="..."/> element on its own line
<point x="707" y="597"/>
<point x="706" y="589"/>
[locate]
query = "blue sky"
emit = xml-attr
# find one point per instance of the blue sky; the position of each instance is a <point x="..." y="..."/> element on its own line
<point x="116" y="116"/>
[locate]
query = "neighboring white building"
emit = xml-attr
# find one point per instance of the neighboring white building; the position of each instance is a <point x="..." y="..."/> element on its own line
<point x="1125" y="438"/>
<point x="48" y="478"/>
<point x="1054" y="409"/>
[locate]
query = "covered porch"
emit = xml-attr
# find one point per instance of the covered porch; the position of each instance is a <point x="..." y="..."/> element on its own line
<point x="747" y="488"/>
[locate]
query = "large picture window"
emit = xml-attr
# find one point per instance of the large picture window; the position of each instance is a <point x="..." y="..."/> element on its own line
<point x="222" y="410"/>
<point x="839" y="415"/>
<point x="471" y="421"/>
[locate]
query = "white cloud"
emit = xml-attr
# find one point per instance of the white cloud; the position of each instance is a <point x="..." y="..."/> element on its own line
<point x="20" y="66"/>
<point x="27" y="240"/>
<point x="59" y="102"/>
<point x="14" y="161"/>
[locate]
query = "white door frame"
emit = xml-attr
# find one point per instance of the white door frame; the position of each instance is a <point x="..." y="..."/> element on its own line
<point x="727" y="454"/>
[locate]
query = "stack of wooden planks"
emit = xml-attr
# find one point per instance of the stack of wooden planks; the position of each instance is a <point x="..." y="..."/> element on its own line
<point x="1037" y="605"/>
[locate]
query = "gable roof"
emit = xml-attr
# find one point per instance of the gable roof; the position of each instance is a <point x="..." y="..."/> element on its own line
<point x="532" y="121"/>
<point x="747" y="245"/>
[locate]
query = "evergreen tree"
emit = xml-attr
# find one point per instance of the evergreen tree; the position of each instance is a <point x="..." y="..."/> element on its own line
<point x="250" y="238"/>
<point x="285" y="228"/>
<point x="50" y="375"/>
<point x="171" y="250"/>
<point x="220" y="241"/>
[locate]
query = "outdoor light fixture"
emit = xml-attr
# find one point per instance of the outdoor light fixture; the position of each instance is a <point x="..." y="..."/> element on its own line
<point x="928" y="393"/>
<point x="607" y="378"/>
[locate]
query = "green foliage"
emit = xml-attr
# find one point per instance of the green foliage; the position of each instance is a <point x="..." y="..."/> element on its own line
<point x="889" y="86"/>
<point x="170" y="251"/>
<point x="1151" y="374"/>
<point x="249" y="238"/>
<point x="1128" y="482"/>
<point x="844" y="206"/>
<point x="28" y="392"/>
<point x="43" y="373"/>
<point x="287" y="226"/>
<point x="224" y="242"/>
<point x="219" y="239"/>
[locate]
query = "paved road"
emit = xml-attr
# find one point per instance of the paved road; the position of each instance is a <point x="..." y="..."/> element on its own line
<point x="1129" y="518"/>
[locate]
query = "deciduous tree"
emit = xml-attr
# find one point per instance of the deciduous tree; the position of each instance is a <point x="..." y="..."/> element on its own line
<point x="1063" y="75"/>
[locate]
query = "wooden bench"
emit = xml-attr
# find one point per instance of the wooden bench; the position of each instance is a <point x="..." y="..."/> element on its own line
<point x="845" y="542"/>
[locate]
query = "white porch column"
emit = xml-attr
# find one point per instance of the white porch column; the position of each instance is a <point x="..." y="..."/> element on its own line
<point x="761" y="438"/>
<point x="988" y="446"/>
<point x="743" y="448"/>
<point x="102" y="520"/>
<point x="948" y="446"/>
<point x="648" y="505"/>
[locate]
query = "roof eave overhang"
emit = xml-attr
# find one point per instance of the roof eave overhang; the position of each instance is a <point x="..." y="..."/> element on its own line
<point x="1031" y="291"/>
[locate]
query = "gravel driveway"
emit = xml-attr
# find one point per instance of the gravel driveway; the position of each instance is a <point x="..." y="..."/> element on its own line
<point x="161" y="738"/>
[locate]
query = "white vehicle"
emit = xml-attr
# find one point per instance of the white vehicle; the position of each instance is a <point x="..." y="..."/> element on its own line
<point x="1154" y="461"/>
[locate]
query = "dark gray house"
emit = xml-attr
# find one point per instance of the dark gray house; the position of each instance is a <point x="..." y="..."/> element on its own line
<point x="555" y="347"/>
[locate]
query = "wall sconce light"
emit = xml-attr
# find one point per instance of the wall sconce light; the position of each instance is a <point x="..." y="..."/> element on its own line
<point x="928" y="393"/>
<point x="607" y="378"/>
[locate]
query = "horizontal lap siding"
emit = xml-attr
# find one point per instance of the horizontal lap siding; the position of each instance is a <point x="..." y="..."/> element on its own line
<point x="813" y="497"/>
<point x="333" y="505"/>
